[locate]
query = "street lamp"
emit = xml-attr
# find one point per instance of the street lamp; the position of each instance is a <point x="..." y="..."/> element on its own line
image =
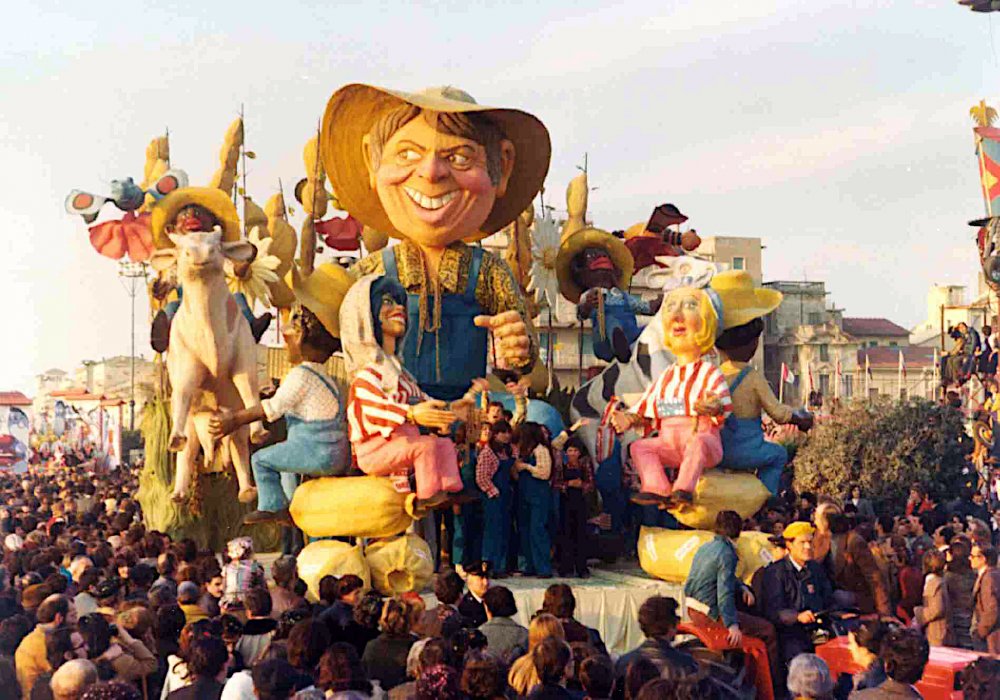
<point x="129" y="274"/>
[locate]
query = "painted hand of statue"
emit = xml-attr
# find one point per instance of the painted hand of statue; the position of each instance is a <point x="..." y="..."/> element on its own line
<point x="709" y="405"/>
<point x="510" y="333"/>
<point x="432" y="414"/>
<point x="461" y="408"/>
<point x="479" y="385"/>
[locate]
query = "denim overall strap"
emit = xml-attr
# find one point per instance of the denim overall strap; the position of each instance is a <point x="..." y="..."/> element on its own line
<point x="338" y="421"/>
<point x="451" y="357"/>
<point x="739" y="380"/>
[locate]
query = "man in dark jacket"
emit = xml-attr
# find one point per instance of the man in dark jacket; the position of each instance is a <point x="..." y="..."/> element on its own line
<point x="712" y="588"/>
<point x="658" y="620"/>
<point x="986" y="613"/>
<point x="799" y="589"/>
<point x="471" y="606"/>
<point x="905" y="653"/>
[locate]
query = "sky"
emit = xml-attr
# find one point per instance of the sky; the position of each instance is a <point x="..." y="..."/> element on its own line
<point x="838" y="134"/>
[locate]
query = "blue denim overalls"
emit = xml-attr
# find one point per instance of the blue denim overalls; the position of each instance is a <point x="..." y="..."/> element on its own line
<point x="316" y="447"/>
<point x="467" y="539"/>
<point x="745" y="449"/>
<point x="533" y="506"/>
<point x="496" y="518"/>
<point x="451" y="357"/>
<point x="619" y="312"/>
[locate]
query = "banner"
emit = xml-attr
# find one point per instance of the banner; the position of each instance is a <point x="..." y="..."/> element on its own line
<point x="112" y="436"/>
<point x="988" y="153"/>
<point x="15" y="432"/>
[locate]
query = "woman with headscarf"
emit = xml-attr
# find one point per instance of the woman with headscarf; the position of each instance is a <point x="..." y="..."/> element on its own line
<point x="386" y="407"/>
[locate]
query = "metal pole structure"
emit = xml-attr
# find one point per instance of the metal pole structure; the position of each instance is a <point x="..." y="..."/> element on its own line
<point x="130" y="273"/>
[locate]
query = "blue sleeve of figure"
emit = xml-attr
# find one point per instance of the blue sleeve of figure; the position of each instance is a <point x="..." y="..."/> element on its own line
<point x="638" y="305"/>
<point x="726" y="587"/>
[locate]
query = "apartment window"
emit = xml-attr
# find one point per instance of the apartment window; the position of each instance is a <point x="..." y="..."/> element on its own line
<point x="739" y="263"/>
<point x="848" y="386"/>
<point x="824" y="353"/>
<point x="543" y="347"/>
<point x="893" y="344"/>
<point x="824" y="384"/>
<point x="588" y="345"/>
<point x="814" y="318"/>
<point x="873" y="343"/>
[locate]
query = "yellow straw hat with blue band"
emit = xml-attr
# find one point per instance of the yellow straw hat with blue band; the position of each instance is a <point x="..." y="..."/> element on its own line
<point x="742" y="302"/>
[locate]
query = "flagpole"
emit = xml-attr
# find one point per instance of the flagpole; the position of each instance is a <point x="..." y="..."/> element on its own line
<point x="868" y="378"/>
<point x="899" y="378"/>
<point x="982" y="173"/>
<point x="781" y="384"/>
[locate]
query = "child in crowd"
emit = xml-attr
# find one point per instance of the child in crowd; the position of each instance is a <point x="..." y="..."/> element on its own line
<point x="240" y="574"/>
<point x="573" y="480"/>
<point x="533" y="471"/>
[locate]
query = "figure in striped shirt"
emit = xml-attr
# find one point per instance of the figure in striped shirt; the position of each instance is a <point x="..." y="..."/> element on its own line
<point x="686" y="405"/>
<point x="386" y="407"/>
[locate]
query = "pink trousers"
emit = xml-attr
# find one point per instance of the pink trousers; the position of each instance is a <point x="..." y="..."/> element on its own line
<point x="679" y="444"/>
<point x="433" y="459"/>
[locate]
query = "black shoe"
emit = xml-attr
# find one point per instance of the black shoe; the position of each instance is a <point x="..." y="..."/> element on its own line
<point x="684" y="497"/>
<point x="260" y="325"/>
<point x="282" y="517"/>
<point x="159" y="334"/>
<point x="644" y="498"/>
<point x="623" y="353"/>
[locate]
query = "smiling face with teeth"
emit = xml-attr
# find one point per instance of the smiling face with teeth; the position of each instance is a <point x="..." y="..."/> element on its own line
<point x="435" y="187"/>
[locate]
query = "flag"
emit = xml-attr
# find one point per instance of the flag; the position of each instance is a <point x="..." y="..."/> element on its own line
<point x="786" y="374"/>
<point x="839" y="369"/>
<point x="868" y="367"/>
<point x="988" y="152"/>
<point x="809" y="369"/>
<point x="902" y="365"/>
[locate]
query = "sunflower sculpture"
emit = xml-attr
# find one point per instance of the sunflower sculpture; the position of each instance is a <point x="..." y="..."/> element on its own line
<point x="254" y="279"/>
<point x="543" y="282"/>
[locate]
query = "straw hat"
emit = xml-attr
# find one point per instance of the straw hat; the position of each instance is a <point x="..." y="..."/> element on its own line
<point x="591" y="238"/>
<point x="322" y="292"/>
<point x="741" y="301"/>
<point x="213" y="199"/>
<point x="354" y="109"/>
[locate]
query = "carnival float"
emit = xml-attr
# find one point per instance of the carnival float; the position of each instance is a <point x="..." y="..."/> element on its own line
<point x="392" y="367"/>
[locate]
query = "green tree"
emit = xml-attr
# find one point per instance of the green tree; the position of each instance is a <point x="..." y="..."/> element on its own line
<point x="883" y="447"/>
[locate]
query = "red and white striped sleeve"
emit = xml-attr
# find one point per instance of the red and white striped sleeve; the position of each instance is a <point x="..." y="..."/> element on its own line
<point x="646" y="406"/>
<point x="715" y="383"/>
<point x="370" y="409"/>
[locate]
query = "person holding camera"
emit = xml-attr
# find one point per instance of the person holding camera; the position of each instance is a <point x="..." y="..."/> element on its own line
<point x="115" y="652"/>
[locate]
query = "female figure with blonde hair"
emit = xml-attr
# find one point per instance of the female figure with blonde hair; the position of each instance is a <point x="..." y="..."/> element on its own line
<point x="523" y="676"/>
<point x="686" y="405"/>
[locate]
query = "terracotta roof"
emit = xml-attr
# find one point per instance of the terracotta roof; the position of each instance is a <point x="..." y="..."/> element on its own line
<point x="873" y="326"/>
<point x="14" y="398"/>
<point x="881" y="357"/>
<point x="75" y="393"/>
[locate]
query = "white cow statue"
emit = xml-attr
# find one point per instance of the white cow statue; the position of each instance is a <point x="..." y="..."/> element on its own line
<point x="212" y="357"/>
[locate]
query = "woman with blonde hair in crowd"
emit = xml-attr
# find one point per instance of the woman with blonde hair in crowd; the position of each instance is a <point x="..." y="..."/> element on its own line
<point x="523" y="676"/>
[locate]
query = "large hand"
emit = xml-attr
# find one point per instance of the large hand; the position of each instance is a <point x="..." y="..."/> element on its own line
<point x="510" y="332"/>
<point x="221" y="424"/>
<point x="710" y="405"/>
<point x="461" y="408"/>
<point x="432" y="414"/>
